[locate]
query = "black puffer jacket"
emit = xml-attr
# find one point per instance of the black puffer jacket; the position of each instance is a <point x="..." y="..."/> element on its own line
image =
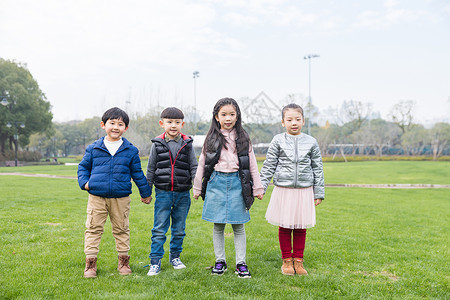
<point x="211" y="159"/>
<point x="173" y="174"/>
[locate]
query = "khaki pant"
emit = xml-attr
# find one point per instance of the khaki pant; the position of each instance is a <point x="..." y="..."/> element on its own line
<point x="98" y="209"/>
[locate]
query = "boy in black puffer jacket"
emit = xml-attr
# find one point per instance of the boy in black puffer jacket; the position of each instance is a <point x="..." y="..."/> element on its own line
<point x="171" y="168"/>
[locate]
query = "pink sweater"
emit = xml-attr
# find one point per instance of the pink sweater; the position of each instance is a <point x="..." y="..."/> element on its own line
<point x="228" y="162"/>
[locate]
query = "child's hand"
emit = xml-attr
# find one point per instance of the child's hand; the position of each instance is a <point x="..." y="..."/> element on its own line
<point x="147" y="200"/>
<point x="86" y="186"/>
<point x="317" y="201"/>
<point x="260" y="196"/>
<point x="196" y="196"/>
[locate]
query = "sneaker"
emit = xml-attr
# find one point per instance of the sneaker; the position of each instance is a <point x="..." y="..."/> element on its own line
<point x="219" y="268"/>
<point x="154" y="270"/>
<point x="177" y="264"/>
<point x="242" y="271"/>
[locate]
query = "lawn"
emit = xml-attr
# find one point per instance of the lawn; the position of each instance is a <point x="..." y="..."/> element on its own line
<point x="385" y="172"/>
<point x="369" y="172"/>
<point x="368" y="243"/>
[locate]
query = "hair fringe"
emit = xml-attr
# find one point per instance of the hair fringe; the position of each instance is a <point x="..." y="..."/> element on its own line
<point x="214" y="133"/>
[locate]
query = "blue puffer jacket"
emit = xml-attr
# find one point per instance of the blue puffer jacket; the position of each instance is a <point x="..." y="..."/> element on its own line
<point x="110" y="176"/>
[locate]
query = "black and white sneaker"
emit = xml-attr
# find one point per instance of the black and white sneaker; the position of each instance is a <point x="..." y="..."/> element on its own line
<point x="242" y="271"/>
<point x="219" y="268"/>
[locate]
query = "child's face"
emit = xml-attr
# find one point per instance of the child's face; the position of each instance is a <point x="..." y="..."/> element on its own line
<point x="114" y="129"/>
<point x="293" y="121"/>
<point x="227" y="116"/>
<point x="172" y="127"/>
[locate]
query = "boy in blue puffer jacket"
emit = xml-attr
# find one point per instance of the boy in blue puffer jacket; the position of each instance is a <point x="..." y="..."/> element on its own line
<point x="105" y="172"/>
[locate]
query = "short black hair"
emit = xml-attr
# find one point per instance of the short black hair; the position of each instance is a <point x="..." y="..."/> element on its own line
<point x="116" y="113"/>
<point x="172" y="113"/>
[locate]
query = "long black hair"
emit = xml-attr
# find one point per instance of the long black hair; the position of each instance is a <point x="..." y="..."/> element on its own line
<point x="215" y="137"/>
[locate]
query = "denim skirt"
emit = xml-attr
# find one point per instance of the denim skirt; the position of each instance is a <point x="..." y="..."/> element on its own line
<point x="224" y="202"/>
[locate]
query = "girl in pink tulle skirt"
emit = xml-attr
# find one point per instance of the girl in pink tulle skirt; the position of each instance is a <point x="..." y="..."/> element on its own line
<point x="295" y="163"/>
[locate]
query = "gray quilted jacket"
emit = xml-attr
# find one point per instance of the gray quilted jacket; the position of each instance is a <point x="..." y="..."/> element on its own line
<point x="295" y="162"/>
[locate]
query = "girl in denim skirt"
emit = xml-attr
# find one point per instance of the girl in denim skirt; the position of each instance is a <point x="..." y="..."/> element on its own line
<point x="227" y="179"/>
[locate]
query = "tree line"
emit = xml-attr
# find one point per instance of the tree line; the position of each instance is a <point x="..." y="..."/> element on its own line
<point x="356" y="137"/>
<point x="352" y="129"/>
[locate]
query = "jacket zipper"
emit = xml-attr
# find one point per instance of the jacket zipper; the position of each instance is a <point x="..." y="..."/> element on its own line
<point x="110" y="166"/>
<point x="296" y="163"/>
<point x="111" y="175"/>
<point x="173" y="164"/>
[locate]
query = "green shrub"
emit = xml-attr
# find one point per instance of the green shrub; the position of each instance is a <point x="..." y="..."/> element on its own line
<point x="21" y="155"/>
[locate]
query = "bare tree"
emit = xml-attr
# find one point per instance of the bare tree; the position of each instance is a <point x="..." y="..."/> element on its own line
<point x="354" y="112"/>
<point x="379" y="134"/>
<point x="440" y="135"/>
<point x="415" y="140"/>
<point x="324" y="136"/>
<point x="401" y="115"/>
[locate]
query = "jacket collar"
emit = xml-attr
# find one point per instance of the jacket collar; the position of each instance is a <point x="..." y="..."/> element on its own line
<point x="100" y="144"/>
<point x="184" y="137"/>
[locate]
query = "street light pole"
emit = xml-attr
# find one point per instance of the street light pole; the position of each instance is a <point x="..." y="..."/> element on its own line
<point x="309" y="57"/>
<point x="196" y="75"/>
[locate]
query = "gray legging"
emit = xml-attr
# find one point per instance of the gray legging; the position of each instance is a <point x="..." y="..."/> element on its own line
<point x="239" y="242"/>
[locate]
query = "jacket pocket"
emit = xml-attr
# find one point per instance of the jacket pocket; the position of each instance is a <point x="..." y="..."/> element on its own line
<point x="126" y="219"/>
<point x="94" y="220"/>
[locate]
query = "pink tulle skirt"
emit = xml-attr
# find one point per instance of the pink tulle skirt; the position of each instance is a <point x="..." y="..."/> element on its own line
<point x="292" y="207"/>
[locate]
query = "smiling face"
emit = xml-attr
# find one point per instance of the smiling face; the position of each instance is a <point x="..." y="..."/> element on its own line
<point x="114" y="129"/>
<point x="172" y="127"/>
<point x="227" y="117"/>
<point x="293" y="121"/>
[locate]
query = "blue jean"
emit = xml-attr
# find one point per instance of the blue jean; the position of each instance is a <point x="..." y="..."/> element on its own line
<point x="175" y="206"/>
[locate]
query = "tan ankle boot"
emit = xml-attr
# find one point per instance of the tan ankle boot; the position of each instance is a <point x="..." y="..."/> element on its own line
<point x="124" y="267"/>
<point x="298" y="266"/>
<point x="91" y="268"/>
<point x="287" y="268"/>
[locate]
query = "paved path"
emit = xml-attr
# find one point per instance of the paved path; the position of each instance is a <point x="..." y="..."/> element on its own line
<point x="39" y="175"/>
<point x="375" y="186"/>
<point x="393" y="186"/>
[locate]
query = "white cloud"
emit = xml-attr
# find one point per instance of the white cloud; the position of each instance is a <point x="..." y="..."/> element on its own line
<point x="390" y="3"/>
<point x="99" y="52"/>
<point x="240" y="19"/>
<point x="106" y="33"/>
<point x="391" y="14"/>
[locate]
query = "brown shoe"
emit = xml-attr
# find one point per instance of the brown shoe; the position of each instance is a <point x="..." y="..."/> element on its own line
<point x="287" y="268"/>
<point x="91" y="268"/>
<point x="124" y="267"/>
<point x="298" y="266"/>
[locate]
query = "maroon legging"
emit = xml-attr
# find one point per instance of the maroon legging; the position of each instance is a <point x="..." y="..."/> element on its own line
<point x="292" y="246"/>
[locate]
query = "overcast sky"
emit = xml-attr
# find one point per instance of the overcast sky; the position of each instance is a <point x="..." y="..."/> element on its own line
<point x="89" y="55"/>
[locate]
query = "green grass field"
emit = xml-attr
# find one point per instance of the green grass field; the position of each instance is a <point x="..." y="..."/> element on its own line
<point x="369" y="172"/>
<point x="368" y="243"/>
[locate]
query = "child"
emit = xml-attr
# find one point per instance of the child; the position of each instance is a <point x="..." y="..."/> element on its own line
<point x="227" y="178"/>
<point x="105" y="172"/>
<point x="171" y="167"/>
<point x="295" y="163"/>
